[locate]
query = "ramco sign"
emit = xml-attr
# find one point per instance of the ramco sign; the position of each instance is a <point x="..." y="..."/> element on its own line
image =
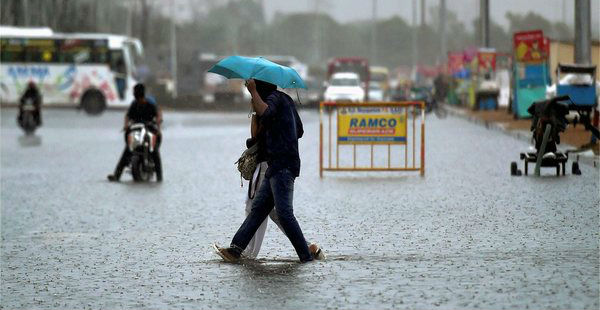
<point x="374" y="125"/>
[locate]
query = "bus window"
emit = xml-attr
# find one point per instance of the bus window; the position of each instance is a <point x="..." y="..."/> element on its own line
<point x="100" y="55"/>
<point x="75" y="51"/>
<point x="100" y="51"/>
<point x="11" y="50"/>
<point x="40" y="51"/>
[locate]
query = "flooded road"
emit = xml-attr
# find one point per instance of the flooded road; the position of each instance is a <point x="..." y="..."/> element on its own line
<point x="467" y="235"/>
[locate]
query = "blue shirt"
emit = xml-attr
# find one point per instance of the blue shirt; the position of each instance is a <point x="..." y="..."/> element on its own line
<point x="282" y="128"/>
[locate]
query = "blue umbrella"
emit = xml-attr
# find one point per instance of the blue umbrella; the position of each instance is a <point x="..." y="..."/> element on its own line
<point x="240" y="67"/>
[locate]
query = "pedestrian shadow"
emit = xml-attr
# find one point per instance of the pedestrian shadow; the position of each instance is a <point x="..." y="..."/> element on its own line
<point x="133" y="184"/>
<point x="149" y="184"/>
<point x="262" y="267"/>
<point x="266" y="266"/>
<point x="30" y="140"/>
<point x="290" y="265"/>
<point x="549" y="177"/>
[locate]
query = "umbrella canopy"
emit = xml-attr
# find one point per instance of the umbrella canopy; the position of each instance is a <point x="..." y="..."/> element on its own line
<point x="240" y="67"/>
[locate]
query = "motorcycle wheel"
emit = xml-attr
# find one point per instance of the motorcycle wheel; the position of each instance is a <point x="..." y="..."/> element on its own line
<point x="28" y="124"/>
<point x="440" y="111"/>
<point x="428" y="107"/>
<point x="137" y="169"/>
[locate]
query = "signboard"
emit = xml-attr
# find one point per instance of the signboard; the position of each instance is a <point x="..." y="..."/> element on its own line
<point x="469" y="54"/>
<point x="363" y="125"/>
<point x="530" y="46"/>
<point x="486" y="60"/>
<point x="455" y="62"/>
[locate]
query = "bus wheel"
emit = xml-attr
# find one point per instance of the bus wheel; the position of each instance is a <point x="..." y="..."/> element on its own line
<point x="93" y="102"/>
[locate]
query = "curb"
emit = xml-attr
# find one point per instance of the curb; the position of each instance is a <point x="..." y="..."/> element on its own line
<point x="517" y="134"/>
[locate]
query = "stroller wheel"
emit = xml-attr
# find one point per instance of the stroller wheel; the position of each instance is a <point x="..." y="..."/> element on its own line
<point x="513" y="169"/>
<point x="575" y="169"/>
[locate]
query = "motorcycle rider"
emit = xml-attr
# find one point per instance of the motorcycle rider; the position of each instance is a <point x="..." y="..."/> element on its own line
<point x="31" y="93"/>
<point x="141" y="111"/>
<point x="441" y="88"/>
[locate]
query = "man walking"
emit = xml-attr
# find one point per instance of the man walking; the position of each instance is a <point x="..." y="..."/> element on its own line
<point x="281" y="122"/>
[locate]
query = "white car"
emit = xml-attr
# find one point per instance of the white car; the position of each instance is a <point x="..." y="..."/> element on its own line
<point x="344" y="87"/>
<point x="376" y="92"/>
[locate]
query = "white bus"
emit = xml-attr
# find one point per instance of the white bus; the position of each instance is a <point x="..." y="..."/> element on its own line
<point x="92" y="71"/>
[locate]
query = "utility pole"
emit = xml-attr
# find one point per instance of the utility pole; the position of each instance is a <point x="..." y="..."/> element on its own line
<point x="317" y="35"/>
<point x="26" y="13"/>
<point x="374" y="32"/>
<point x="484" y="20"/>
<point x="442" y="31"/>
<point x="234" y="26"/>
<point x="173" y="50"/>
<point x="423" y="13"/>
<point x="564" y="11"/>
<point x="129" y="17"/>
<point x="415" y="56"/>
<point x="97" y="15"/>
<point x="583" y="31"/>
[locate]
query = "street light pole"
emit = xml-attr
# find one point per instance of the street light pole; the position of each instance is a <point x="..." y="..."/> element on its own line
<point x="173" y="50"/>
<point x="414" y="35"/>
<point x="442" y="31"/>
<point x="374" y="32"/>
<point x="317" y="34"/>
<point x="26" y="13"/>
<point x="415" y="56"/>
<point x="484" y="21"/>
<point x="129" y="16"/>
<point x="583" y="32"/>
<point x="423" y="13"/>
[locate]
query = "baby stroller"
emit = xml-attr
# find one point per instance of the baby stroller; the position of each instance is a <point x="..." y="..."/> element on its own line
<point x="549" y="120"/>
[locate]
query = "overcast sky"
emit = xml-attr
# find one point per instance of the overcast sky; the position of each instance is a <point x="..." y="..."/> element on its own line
<point x="352" y="10"/>
<point x="467" y="10"/>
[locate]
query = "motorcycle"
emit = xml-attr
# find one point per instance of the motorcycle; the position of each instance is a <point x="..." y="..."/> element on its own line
<point x="27" y="119"/>
<point x="431" y="103"/>
<point x="141" y="142"/>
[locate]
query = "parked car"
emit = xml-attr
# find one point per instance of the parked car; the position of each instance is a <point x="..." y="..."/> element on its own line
<point x="344" y="86"/>
<point x="376" y="93"/>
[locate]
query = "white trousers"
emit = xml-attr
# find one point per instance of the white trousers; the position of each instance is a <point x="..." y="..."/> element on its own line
<point x="253" y="247"/>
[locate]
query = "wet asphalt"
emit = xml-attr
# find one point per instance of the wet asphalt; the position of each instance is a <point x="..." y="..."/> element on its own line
<point x="467" y="235"/>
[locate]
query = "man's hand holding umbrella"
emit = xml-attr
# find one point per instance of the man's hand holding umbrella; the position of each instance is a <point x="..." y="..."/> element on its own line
<point x="258" y="104"/>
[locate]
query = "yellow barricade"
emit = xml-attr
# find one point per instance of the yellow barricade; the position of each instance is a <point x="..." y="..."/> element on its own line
<point x="391" y="125"/>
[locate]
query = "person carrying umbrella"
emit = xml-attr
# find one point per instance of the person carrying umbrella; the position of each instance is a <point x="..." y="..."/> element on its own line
<point x="283" y="128"/>
<point x="258" y="138"/>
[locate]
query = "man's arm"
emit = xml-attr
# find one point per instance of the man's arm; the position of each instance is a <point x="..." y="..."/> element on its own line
<point x="254" y="126"/>
<point x="258" y="104"/>
<point x="158" y="116"/>
<point x="37" y="100"/>
<point x="126" y="124"/>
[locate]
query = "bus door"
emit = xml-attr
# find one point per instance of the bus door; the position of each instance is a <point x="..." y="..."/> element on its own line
<point x="118" y="66"/>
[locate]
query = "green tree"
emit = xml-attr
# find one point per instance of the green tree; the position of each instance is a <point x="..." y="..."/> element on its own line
<point x="531" y="21"/>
